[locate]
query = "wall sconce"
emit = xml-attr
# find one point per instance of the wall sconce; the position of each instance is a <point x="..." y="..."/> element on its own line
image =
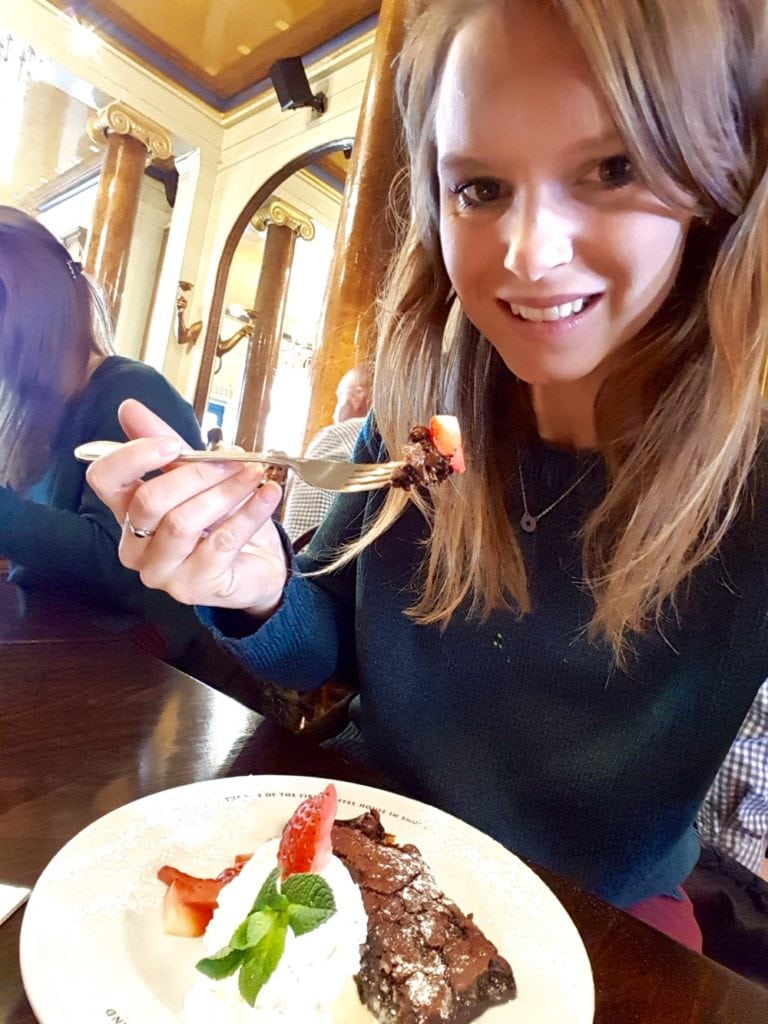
<point x="185" y="335"/>
<point x="293" y="90"/>
<point x="248" y="318"/>
<point x="188" y="335"/>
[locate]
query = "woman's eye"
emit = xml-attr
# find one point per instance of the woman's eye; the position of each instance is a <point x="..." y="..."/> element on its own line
<point x="478" y="192"/>
<point x="615" y="172"/>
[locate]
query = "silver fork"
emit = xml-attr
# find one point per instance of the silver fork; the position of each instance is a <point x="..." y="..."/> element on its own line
<point x="328" y="474"/>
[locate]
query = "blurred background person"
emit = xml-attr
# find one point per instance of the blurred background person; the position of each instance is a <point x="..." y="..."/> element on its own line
<point x="280" y="476"/>
<point x="734" y="815"/>
<point x="60" y="386"/>
<point x="215" y="439"/>
<point x="305" y="506"/>
<point x="729" y="885"/>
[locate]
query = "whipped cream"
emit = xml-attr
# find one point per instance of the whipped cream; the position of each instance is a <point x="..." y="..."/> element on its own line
<point x="314" y="969"/>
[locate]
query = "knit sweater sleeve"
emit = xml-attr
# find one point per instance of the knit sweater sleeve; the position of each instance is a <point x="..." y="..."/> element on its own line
<point x="311" y="636"/>
<point x="68" y="536"/>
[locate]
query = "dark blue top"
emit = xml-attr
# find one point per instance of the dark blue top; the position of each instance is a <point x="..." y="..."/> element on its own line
<point x="59" y="534"/>
<point x="520" y="726"/>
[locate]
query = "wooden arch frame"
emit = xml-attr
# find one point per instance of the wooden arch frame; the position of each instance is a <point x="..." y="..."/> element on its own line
<point x="256" y="201"/>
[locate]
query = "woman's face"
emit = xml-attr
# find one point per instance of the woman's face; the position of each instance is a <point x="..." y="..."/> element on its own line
<point x="557" y="253"/>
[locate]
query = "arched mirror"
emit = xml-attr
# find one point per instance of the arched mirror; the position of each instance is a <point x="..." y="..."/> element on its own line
<point x="268" y="304"/>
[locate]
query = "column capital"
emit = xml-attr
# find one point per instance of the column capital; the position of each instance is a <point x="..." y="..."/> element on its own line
<point x="119" y="119"/>
<point x="283" y="214"/>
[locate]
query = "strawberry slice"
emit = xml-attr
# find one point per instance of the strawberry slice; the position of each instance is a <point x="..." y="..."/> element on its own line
<point x="305" y="844"/>
<point x="194" y="890"/>
<point x="189" y="901"/>
<point x="446" y="437"/>
<point x="183" y="914"/>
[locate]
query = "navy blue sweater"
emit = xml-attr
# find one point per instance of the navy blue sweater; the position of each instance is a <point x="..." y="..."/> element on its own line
<point x="520" y="726"/>
<point x="60" y="535"/>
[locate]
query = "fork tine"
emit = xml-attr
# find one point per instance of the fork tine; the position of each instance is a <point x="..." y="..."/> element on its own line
<point x="371" y="474"/>
<point x="374" y="468"/>
<point x="354" y="487"/>
<point x="345" y="476"/>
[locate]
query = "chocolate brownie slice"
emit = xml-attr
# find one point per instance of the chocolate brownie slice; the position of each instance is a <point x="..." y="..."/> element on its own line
<point x="424" y="961"/>
<point x="423" y="464"/>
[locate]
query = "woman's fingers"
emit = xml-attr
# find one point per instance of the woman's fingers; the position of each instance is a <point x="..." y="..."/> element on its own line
<point x="213" y="569"/>
<point x="139" y="421"/>
<point x="194" y="520"/>
<point x="179" y="508"/>
<point x="193" y="495"/>
<point x="115" y="477"/>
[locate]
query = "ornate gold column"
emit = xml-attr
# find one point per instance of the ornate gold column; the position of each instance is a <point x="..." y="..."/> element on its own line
<point x="283" y="224"/>
<point x="130" y="140"/>
<point x="365" y="236"/>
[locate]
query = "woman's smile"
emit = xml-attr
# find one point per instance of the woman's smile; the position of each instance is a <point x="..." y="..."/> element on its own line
<point x="551" y="317"/>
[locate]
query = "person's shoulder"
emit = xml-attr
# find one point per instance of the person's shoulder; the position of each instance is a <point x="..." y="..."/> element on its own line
<point x="117" y="374"/>
<point x="370" y="445"/>
<point x="337" y="439"/>
<point x="118" y="378"/>
<point x="117" y="369"/>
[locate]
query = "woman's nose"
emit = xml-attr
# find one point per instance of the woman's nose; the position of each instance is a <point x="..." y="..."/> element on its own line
<point x="538" y="239"/>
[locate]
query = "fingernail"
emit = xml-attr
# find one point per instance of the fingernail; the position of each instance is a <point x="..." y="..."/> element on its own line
<point x="169" y="446"/>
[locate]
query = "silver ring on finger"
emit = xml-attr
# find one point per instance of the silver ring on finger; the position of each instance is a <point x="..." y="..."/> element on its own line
<point x="136" y="530"/>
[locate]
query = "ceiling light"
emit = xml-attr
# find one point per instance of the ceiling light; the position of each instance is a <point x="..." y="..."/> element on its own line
<point x="83" y="41"/>
<point x="245" y="50"/>
<point x="283" y="26"/>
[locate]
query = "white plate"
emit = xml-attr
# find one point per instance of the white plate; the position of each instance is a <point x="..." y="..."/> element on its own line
<point x="92" y="945"/>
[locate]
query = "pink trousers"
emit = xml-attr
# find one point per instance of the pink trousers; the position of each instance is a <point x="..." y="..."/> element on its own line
<point x="673" y="917"/>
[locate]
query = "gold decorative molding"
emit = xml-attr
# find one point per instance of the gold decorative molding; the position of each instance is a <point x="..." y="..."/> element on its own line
<point x="120" y="119"/>
<point x="282" y="213"/>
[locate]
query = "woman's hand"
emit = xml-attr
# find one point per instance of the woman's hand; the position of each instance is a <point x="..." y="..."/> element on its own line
<point x="211" y="539"/>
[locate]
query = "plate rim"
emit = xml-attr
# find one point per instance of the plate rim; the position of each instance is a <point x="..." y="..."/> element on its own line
<point x="252" y="784"/>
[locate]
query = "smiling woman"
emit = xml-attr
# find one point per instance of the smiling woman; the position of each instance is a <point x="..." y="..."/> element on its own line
<point x="559" y="253"/>
<point x="549" y="186"/>
<point x="560" y="644"/>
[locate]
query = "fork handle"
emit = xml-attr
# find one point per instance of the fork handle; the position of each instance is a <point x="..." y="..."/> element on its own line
<point x="92" y="450"/>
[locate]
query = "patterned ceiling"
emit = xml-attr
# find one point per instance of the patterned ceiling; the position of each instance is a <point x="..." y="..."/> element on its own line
<point x="221" y="50"/>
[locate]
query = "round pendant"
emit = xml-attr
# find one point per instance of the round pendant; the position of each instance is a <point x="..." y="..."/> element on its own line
<point x="527" y="522"/>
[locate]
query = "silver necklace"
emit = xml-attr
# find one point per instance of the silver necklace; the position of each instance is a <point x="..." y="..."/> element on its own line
<point x="529" y="522"/>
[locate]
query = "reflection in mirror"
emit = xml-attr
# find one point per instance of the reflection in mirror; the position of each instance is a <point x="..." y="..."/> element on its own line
<point x="289" y="304"/>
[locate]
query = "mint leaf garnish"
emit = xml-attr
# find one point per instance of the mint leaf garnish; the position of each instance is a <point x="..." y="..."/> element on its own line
<point x="306" y="919"/>
<point x="221" y="964"/>
<point x="260" y="962"/>
<point x="311" y="902"/>
<point x="309" y="891"/>
<point x="303" y="903"/>
<point x="253" y="929"/>
<point x="269" y="895"/>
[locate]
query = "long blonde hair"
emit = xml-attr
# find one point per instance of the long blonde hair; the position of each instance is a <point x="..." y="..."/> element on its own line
<point x="52" y="320"/>
<point x="686" y="85"/>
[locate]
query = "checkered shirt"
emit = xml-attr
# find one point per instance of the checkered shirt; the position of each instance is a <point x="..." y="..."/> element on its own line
<point x="734" y="816"/>
<point x="306" y="506"/>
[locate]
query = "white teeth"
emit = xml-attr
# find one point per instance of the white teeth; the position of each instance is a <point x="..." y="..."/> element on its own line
<point x="536" y="315"/>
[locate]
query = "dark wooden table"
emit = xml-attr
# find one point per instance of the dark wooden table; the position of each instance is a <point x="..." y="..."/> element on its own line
<point x="88" y="726"/>
<point x="33" y="618"/>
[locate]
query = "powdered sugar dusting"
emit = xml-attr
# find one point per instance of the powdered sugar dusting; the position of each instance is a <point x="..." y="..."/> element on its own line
<point x="101" y="892"/>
